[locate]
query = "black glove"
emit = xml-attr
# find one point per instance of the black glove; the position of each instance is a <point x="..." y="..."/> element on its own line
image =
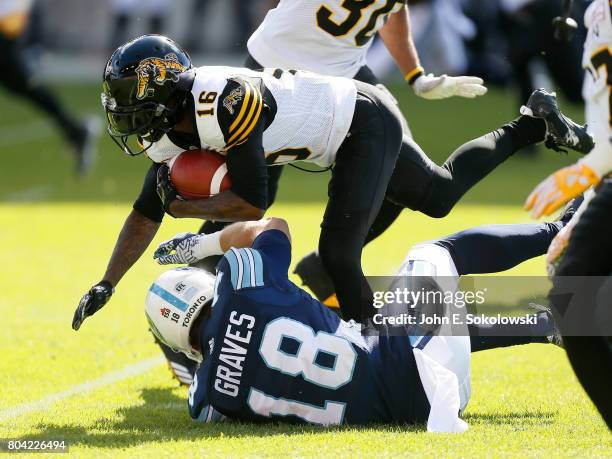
<point x="165" y="190"/>
<point x="92" y="301"/>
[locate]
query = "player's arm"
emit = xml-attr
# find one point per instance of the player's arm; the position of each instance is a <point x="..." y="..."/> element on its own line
<point x="188" y="248"/>
<point x="241" y="113"/>
<point x="397" y="36"/>
<point x="138" y="231"/>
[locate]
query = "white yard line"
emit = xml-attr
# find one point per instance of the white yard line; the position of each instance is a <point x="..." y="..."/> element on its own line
<point x="105" y="380"/>
<point x="26" y="132"/>
<point x="33" y="194"/>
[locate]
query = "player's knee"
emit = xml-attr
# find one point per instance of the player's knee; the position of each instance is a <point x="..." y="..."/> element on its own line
<point x="438" y="209"/>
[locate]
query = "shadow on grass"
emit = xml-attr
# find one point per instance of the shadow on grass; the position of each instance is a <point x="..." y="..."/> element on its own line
<point x="163" y="417"/>
<point x="518" y="419"/>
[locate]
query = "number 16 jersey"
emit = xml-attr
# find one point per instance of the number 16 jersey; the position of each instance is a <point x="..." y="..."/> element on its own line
<point x="276" y="353"/>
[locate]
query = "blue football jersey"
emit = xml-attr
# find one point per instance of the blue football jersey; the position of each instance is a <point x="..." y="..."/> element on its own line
<point x="274" y="352"/>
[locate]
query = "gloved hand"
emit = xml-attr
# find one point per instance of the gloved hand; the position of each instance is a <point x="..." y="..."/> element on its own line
<point x="441" y="87"/>
<point x="559" y="188"/>
<point x="186" y="248"/>
<point x="165" y="190"/>
<point x="92" y="301"/>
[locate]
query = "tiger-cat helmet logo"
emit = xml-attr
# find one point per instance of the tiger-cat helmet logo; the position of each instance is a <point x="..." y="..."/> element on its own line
<point x="157" y="70"/>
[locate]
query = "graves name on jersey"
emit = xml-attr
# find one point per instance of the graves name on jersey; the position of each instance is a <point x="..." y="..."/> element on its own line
<point x="274" y="352"/>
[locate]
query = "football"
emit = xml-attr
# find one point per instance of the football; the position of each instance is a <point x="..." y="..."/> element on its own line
<point x="198" y="174"/>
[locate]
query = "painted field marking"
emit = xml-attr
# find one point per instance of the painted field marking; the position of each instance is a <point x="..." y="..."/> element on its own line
<point x="105" y="380"/>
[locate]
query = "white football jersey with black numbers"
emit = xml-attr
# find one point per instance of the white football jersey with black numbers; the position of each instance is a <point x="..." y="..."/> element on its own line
<point x="597" y="91"/>
<point x="312" y="117"/>
<point x="331" y="37"/>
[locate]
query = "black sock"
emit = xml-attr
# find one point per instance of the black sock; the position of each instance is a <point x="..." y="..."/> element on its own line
<point x="526" y="131"/>
<point x="485" y="337"/>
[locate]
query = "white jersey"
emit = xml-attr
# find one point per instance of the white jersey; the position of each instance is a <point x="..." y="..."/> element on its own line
<point x="313" y="113"/>
<point x="597" y="92"/>
<point x="444" y="363"/>
<point x="331" y="37"/>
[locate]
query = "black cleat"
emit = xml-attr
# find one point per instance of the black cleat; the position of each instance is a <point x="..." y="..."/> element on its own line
<point x="85" y="145"/>
<point x="555" y="334"/>
<point x="313" y="275"/>
<point x="561" y="131"/>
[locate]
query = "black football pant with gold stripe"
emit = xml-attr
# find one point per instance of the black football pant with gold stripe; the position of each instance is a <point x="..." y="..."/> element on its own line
<point x="589" y="253"/>
<point x="17" y="77"/>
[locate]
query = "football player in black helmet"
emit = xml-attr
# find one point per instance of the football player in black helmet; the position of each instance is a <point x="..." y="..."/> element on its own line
<point x="133" y="107"/>
<point x="277" y="117"/>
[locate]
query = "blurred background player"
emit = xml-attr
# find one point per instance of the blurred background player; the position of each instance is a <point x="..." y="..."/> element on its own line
<point x="585" y="247"/>
<point x="20" y="79"/>
<point x="126" y="11"/>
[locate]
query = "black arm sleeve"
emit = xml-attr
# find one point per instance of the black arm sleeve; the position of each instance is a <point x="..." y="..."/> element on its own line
<point x="246" y="166"/>
<point x="148" y="202"/>
<point x="242" y="114"/>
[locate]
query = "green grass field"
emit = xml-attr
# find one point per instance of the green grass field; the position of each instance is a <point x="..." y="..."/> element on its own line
<point x="106" y="391"/>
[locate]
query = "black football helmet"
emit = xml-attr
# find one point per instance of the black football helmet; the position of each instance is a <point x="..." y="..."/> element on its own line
<point x="144" y="87"/>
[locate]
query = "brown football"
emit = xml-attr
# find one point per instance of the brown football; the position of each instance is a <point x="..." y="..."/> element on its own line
<point x="198" y="174"/>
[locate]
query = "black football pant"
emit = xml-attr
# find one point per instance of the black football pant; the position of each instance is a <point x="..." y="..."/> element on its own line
<point x="589" y="253"/>
<point x="17" y="78"/>
<point x="420" y="184"/>
<point x="364" y="165"/>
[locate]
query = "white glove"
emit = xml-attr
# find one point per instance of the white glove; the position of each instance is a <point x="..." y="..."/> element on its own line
<point x="441" y="87"/>
<point x="186" y="248"/>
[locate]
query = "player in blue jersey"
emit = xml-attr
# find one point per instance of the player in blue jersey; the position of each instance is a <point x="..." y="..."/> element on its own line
<point x="270" y="351"/>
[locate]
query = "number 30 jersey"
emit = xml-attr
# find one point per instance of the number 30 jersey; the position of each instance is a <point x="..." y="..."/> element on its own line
<point x="331" y="37"/>
<point x="274" y="352"/>
<point x="307" y="115"/>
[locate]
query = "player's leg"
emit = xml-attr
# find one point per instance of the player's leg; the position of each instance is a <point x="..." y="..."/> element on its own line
<point x="445" y="267"/>
<point x="434" y="190"/>
<point x="364" y="164"/>
<point x="589" y="253"/>
<point x="420" y="184"/>
<point x="18" y="78"/>
<point x="494" y="248"/>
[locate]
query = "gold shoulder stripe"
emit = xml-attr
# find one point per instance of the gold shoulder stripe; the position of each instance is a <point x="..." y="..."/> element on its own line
<point x="250" y="121"/>
<point x="245" y="103"/>
<point x="235" y="144"/>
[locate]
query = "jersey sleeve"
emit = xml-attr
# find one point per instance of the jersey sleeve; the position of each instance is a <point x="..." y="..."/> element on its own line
<point x="148" y="202"/>
<point x="275" y="247"/>
<point x="240" y="108"/>
<point x="242" y="121"/>
<point x="268" y="258"/>
<point x="200" y="408"/>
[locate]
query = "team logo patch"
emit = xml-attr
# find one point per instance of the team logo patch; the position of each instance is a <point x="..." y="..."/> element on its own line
<point x="232" y="99"/>
<point x="157" y="70"/>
